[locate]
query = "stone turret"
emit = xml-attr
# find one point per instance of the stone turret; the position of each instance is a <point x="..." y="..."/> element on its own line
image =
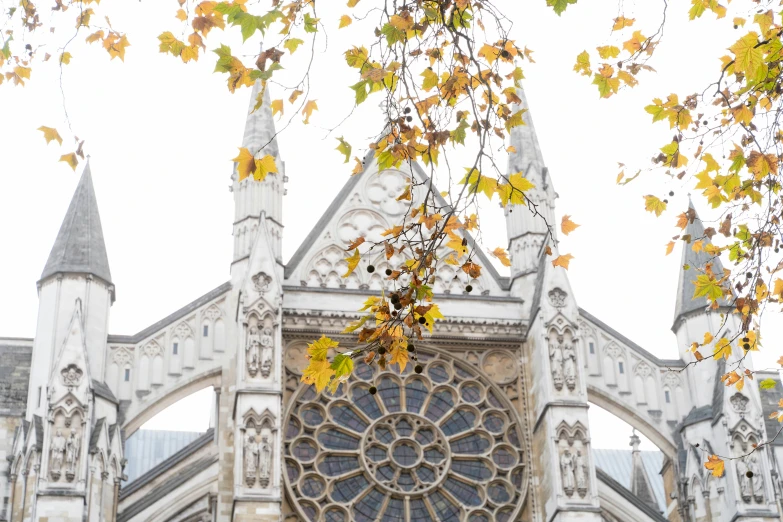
<point x="526" y="231"/>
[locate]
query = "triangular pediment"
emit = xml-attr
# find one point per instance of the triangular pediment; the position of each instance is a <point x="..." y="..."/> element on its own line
<point x="365" y="207"/>
<point x="262" y="286"/>
<point x="70" y="373"/>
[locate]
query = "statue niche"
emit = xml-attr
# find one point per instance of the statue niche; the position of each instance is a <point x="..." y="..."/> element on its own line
<point x="259" y="346"/>
<point x="574" y="470"/>
<point x="562" y="359"/>
<point x="750" y="475"/>
<point x="65" y="444"/>
<point x="257" y="449"/>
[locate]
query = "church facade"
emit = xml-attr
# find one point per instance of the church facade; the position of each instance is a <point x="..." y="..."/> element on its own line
<point x="495" y="427"/>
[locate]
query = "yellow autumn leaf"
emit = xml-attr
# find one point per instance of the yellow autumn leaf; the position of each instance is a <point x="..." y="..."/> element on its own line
<point x="319" y="373"/>
<point x="707" y="338"/>
<point x="246" y="163"/>
<point x="563" y="260"/>
<point x="621" y="22"/>
<point x="514" y="191"/>
<point x="50" y="134"/>
<point x="353" y="262"/>
<point x="502" y="255"/>
<point x="399" y="355"/>
<point x="319" y="350"/>
<point x="70" y="159"/>
<point x="65" y="58"/>
<point x="669" y="247"/>
<point x="457" y="245"/>
<point x="715" y="464"/>
<point x="654" y="205"/>
<point x="264" y="166"/>
<point x="722" y="349"/>
<point x="567" y="226"/>
<point x="309" y="107"/>
<point x="748" y="57"/>
<point x="181" y="15"/>
<point x="582" y="65"/>
<point x="345" y="21"/>
<point x="634" y="44"/>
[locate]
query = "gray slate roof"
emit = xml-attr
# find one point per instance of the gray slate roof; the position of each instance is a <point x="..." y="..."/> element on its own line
<point x="696" y="261"/>
<point x="618" y="464"/>
<point x="79" y="246"/>
<point x="15" y="358"/>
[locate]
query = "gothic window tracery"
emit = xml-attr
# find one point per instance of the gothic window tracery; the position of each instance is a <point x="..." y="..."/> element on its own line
<point x="440" y="445"/>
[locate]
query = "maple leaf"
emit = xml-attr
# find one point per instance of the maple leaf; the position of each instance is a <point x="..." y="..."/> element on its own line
<point x="70" y="159"/>
<point x="762" y="164"/>
<point x="50" y="134"/>
<point x="181" y="15"/>
<point x="654" y="204"/>
<point x="502" y="255"/>
<point x="622" y="22"/>
<point x="472" y="269"/>
<point x="264" y="166"/>
<point x="399" y="355"/>
<point x="477" y="182"/>
<point x="722" y="349"/>
<point x="716" y="465"/>
<point x="309" y="107"/>
<point x="355" y="243"/>
<point x="669" y="247"/>
<point x="292" y="44"/>
<point x="65" y="58"/>
<point x="353" y="262"/>
<point x="246" y="163"/>
<point x="344" y="148"/>
<point x="457" y="245"/>
<point x="567" y="226"/>
<point x="707" y="338"/>
<point x="559" y="5"/>
<point x="319" y="349"/>
<point x="563" y="260"/>
<point x="342" y="365"/>
<point x="582" y="65"/>
<point x="319" y="373"/>
<point x="608" y="51"/>
<point x="768" y="384"/>
<point x="748" y="57"/>
<point x="514" y="190"/>
<point x="708" y="287"/>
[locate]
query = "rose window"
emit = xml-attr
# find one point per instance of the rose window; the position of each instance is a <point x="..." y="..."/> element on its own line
<point x="443" y="445"/>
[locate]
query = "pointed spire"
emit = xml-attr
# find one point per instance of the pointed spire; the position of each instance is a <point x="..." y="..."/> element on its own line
<point x="527" y="155"/>
<point x="696" y="263"/>
<point x="260" y="126"/>
<point x="79" y="247"/>
<point x="640" y="482"/>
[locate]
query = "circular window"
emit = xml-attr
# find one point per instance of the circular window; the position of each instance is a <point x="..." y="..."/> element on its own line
<point x="440" y="445"/>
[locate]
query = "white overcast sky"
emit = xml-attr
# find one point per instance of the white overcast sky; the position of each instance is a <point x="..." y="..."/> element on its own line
<point x="161" y="135"/>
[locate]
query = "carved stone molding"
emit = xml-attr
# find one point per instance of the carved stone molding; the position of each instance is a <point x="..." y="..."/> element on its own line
<point x="152" y="349"/>
<point x="557" y="297"/>
<point x="71" y="375"/>
<point x="261" y="282"/>
<point x="671" y="379"/>
<point x="573" y="453"/>
<point x="183" y="331"/>
<point x="500" y="366"/>
<point x="212" y="313"/>
<point x="122" y="356"/>
<point x="739" y="403"/>
<point x="613" y="350"/>
<point x="259" y="432"/>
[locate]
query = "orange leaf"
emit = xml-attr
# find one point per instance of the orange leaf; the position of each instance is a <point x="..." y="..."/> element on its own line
<point x="562" y="260"/>
<point x="567" y="226"/>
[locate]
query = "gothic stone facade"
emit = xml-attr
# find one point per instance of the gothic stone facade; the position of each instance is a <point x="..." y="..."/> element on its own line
<point x="495" y="428"/>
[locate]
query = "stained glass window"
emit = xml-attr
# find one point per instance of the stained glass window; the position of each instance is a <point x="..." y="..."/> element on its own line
<point x="442" y="445"/>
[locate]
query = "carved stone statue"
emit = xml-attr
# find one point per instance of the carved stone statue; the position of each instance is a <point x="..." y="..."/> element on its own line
<point x="72" y="446"/>
<point x="58" y="454"/>
<point x="267" y="345"/>
<point x="266" y="461"/>
<point x="757" y="481"/>
<point x="744" y="480"/>
<point x="251" y="460"/>
<point x="567" y="469"/>
<point x="569" y="366"/>
<point x="253" y="346"/>
<point x="556" y="360"/>
<point x="581" y="474"/>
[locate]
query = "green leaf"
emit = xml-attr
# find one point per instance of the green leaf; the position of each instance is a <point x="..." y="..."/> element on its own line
<point x="342" y="365"/>
<point x="361" y="91"/>
<point x="559" y="5"/>
<point x="310" y="23"/>
<point x="292" y="44"/>
<point x="768" y="384"/>
<point x="344" y="148"/>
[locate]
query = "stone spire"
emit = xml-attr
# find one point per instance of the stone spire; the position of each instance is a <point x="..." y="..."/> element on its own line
<point x="252" y="198"/>
<point x="526" y="231"/>
<point x="79" y="247"/>
<point x="696" y="263"/>
<point x="640" y="482"/>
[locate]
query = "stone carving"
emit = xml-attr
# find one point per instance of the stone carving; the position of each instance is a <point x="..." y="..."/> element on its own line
<point x="580" y="470"/>
<point x="122" y="357"/>
<point x="57" y="452"/>
<point x="361" y="223"/>
<point x="567" y="470"/>
<point x="500" y="367"/>
<point x="212" y="313"/>
<point x="613" y="350"/>
<point x="152" y="349"/>
<point x="251" y="460"/>
<point x="751" y="480"/>
<point x="182" y="331"/>
<point x="261" y="282"/>
<point x="72" y="446"/>
<point x="253" y="350"/>
<point x="296" y="357"/>
<point x="557" y="297"/>
<point x="267" y="345"/>
<point x="265" y="454"/>
<point x="71" y="375"/>
<point x="671" y="379"/>
<point x="383" y="189"/>
<point x="562" y="357"/>
<point x="740" y="403"/>
<point x="643" y="369"/>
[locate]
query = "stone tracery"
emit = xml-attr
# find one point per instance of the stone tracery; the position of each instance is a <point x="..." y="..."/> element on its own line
<point x="445" y="443"/>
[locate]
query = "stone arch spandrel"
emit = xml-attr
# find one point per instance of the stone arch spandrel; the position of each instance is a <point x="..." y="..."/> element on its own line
<point x="140" y="412"/>
<point x="656" y="432"/>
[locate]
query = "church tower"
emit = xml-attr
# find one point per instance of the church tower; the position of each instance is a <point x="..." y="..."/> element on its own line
<point x="724" y="420"/>
<point x="68" y="456"/>
<point x="250" y="444"/>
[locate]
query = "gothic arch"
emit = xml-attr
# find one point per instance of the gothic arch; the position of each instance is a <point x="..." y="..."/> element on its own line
<point x="660" y="438"/>
<point x="211" y="377"/>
